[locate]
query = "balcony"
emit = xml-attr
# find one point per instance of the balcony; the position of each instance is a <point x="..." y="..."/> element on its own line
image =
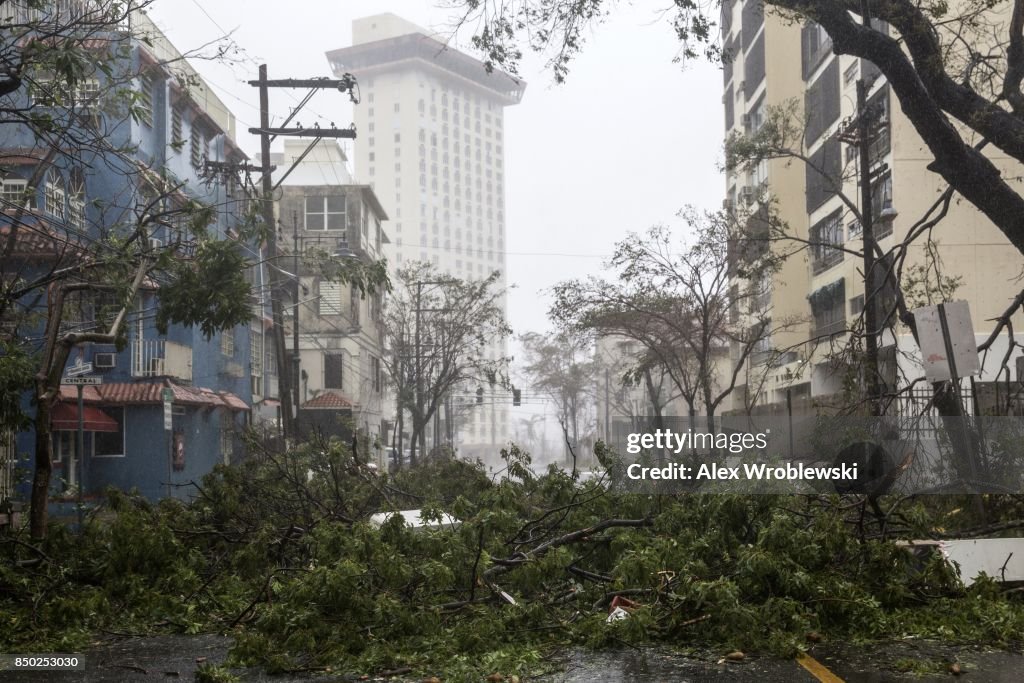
<point x="160" y="358"/>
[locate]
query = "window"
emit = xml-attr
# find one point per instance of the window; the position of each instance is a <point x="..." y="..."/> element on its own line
<point x="144" y="102"/>
<point x="14" y="193"/>
<point x="828" y="305"/>
<point x="177" y="132"/>
<point x="814" y="47"/>
<point x="375" y="373"/>
<point x="110" y="444"/>
<point x="76" y="201"/>
<point x="334" y="371"/>
<point x="227" y="343"/>
<point x="821" y="103"/>
<point x="825" y="236"/>
<point x="55" y="195"/>
<point x="256" y="361"/>
<point x="857" y="305"/>
<point x="227" y="437"/>
<point x="881" y="192"/>
<point x="64" y="449"/>
<point x="325" y="213"/>
<point x="824" y="173"/>
<point x="195" y="151"/>
<point x="330" y="298"/>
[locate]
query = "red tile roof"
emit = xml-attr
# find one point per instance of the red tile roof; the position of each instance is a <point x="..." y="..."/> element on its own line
<point x="328" y="400"/>
<point x="35" y="239"/>
<point x="142" y="393"/>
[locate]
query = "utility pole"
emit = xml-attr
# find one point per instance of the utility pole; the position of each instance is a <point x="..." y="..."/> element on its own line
<point x="284" y="371"/>
<point x="296" y="356"/>
<point x="417" y="424"/>
<point x="287" y="372"/>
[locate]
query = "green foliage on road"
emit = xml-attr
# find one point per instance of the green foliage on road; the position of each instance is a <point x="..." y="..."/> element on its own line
<point x="278" y="553"/>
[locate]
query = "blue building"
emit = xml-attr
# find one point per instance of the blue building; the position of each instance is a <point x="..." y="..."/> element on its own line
<point x="149" y="162"/>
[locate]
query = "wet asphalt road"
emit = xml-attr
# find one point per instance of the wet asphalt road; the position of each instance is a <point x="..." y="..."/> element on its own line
<point x="176" y="658"/>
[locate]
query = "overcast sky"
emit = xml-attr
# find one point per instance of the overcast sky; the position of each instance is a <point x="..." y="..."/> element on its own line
<point x="626" y="142"/>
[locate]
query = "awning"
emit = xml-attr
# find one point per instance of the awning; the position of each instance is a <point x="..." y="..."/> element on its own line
<point x="64" y="418"/>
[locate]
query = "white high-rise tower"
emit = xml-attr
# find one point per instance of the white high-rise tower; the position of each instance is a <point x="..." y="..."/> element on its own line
<point x="431" y="143"/>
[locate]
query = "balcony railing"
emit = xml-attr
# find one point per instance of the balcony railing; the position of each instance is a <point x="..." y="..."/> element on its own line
<point x="160" y="358"/>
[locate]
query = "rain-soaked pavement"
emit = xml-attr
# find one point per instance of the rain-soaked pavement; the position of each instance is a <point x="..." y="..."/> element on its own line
<point x="176" y="658"/>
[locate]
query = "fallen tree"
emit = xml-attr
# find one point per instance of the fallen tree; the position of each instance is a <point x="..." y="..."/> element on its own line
<point x="279" y="553"/>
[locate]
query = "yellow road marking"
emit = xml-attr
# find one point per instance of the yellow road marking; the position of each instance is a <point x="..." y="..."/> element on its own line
<point x="817" y="669"/>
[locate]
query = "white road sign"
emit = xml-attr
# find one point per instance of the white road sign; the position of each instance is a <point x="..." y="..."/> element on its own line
<point x="79" y="368"/>
<point x="79" y="381"/>
<point x="948" y="346"/>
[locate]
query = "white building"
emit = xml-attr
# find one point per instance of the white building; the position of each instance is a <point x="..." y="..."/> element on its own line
<point x="430" y="142"/>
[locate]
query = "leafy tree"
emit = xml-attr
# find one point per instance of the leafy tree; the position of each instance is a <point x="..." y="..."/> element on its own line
<point x="956" y="69"/>
<point x="438" y="330"/>
<point x="683" y="305"/>
<point x="561" y="366"/>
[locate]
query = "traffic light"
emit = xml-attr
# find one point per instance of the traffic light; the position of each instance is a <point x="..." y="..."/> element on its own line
<point x="517" y="397"/>
<point x="480" y="395"/>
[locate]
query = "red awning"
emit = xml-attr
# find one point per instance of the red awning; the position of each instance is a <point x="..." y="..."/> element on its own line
<point x="64" y="418"/>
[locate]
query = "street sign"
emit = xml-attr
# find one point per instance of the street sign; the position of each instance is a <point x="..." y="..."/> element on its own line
<point x="168" y="396"/>
<point x="79" y="368"/>
<point x="80" y="381"/>
<point x="948" y="347"/>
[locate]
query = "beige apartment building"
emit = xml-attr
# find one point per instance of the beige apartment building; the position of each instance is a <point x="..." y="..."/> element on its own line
<point x="431" y="144"/>
<point x="820" y="290"/>
<point x="339" y="335"/>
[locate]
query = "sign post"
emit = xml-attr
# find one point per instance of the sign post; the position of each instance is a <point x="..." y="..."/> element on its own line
<point x="168" y="396"/>
<point x="75" y="378"/>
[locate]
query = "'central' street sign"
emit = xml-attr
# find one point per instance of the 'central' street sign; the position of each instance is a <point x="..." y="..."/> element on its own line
<point x="80" y="381"/>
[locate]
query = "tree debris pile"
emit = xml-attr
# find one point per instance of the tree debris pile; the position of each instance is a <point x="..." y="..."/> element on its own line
<point x="278" y="553"/>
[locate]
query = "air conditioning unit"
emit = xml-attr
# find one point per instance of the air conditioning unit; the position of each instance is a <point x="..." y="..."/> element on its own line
<point x="156" y="367"/>
<point x="748" y="194"/>
<point x="155" y="243"/>
<point x="728" y="205"/>
<point x="104" y="360"/>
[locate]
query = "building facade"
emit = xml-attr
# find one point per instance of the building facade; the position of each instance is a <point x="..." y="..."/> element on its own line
<point x="339" y="329"/>
<point x="431" y="144"/>
<point x="778" y="64"/>
<point x="64" y="205"/>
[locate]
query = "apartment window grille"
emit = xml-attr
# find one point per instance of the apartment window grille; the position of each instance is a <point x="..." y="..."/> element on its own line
<point x="826" y="239"/>
<point x="330" y="298"/>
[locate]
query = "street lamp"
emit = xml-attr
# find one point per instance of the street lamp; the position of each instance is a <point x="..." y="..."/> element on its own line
<point x="342" y="250"/>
